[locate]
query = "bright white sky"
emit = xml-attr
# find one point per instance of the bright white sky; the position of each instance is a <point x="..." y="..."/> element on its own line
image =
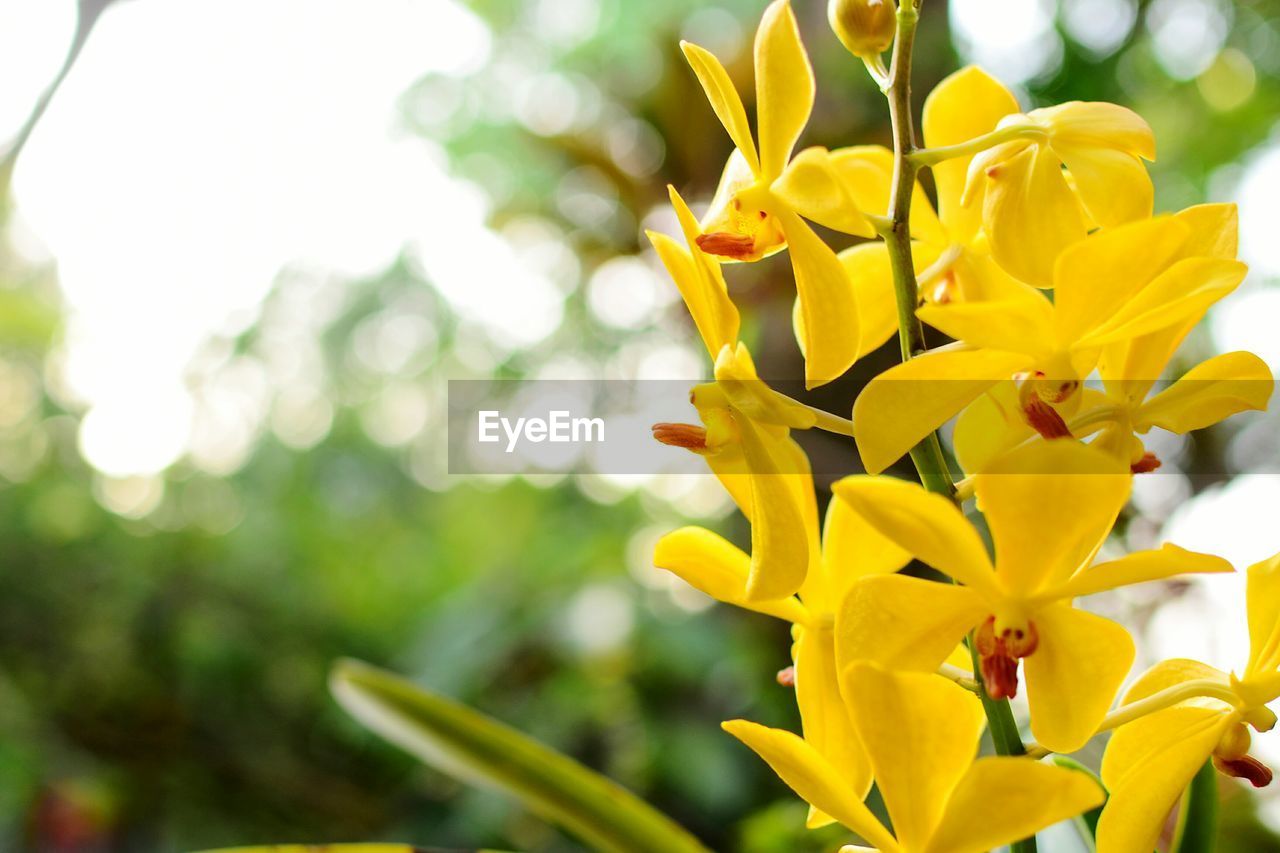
<point x="199" y="147"/>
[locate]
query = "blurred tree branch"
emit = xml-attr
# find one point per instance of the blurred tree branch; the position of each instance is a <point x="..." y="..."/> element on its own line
<point x="87" y="15"/>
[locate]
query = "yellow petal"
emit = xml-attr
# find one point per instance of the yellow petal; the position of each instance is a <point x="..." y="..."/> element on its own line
<point x="1171" y="672"/>
<point x="784" y="87"/>
<point x="724" y="99"/>
<point x="730" y="467"/>
<point x="1131" y="367"/>
<point x="1147" y="766"/>
<point x="1030" y="214"/>
<point x="927" y="525"/>
<point x="827" y="724"/>
<point x="1210" y="392"/>
<point x="1141" y="567"/>
<point x="1180" y="294"/>
<point x="699" y="280"/>
<point x="904" y="622"/>
<point x="1264" y="617"/>
<point x="810" y="186"/>
<point x="681" y="267"/>
<point x="920" y="732"/>
<point x="1022" y="324"/>
<point x="981" y="278"/>
<point x="1215" y="230"/>
<point x="904" y="404"/>
<point x="853" y="548"/>
<point x="1049" y="506"/>
<point x="736" y="375"/>
<point x="1073" y="675"/>
<point x="871" y="273"/>
<point x="808" y="774"/>
<point x="780" y="536"/>
<point x="867" y="174"/>
<point x="1113" y="185"/>
<point x="1095" y="277"/>
<point x="711" y="564"/>
<point x="1032" y="797"/>
<point x="988" y="427"/>
<point x="963" y="106"/>
<point x="1096" y="124"/>
<point x="828" y="306"/>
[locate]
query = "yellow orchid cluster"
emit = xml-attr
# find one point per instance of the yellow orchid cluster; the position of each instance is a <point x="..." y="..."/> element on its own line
<point x="1043" y="262"/>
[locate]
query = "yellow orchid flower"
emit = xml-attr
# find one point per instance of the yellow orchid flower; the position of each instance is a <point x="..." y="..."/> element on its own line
<point x="1049" y="507"/>
<point x="921" y="736"/>
<point x="850" y="548"/>
<point x="762" y="196"/>
<point x="1150" y="761"/>
<point x="1032" y="210"/>
<point x="951" y="257"/>
<point x="964" y="106"/>
<point x="745" y="436"/>
<point x="1208" y="393"/>
<point x="1116" y="286"/>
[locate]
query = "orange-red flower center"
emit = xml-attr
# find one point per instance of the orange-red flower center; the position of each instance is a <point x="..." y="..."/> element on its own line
<point x="1245" y="767"/>
<point x="999" y="652"/>
<point x="1148" y="463"/>
<point x="1036" y="393"/>
<point x="687" y="436"/>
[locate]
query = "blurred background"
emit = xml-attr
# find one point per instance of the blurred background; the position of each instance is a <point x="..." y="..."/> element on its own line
<point x="249" y="240"/>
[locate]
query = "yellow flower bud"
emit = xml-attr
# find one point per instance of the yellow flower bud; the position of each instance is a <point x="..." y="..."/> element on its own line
<point x="865" y="27"/>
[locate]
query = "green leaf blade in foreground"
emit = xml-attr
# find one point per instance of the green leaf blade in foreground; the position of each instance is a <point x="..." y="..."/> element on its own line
<point x="1198" y="824"/>
<point x="479" y="750"/>
<point x="340" y="848"/>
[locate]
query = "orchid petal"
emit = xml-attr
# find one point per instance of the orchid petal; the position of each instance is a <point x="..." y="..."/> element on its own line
<point x="812" y="777"/>
<point x="1168" y="561"/>
<point x="1263" y="596"/>
<point x="1210" y="392"/>
<point x="784" y="87"/>
<point x="1147" y="766"/>
<point x="828" y="304"/>
<point x="926" y="525"/>
<point x="711" y="564"/>
<point x="1049" y="506"/>
<point x="901" y="406"/>
<point x="1095" y="277"/>
<point x="904" y="622"/>
<point x="921" y="733"/>
<point x="1030" y="215"/>
<point x="964" y="106"/>
<point x="724" y="99"/>
<point x="1073" y="676"/>
<point x="1032" y="796"/>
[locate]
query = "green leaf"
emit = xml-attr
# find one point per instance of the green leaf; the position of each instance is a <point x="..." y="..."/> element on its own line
<point x="476" y="749"/>
<point x="340" y="848"/>
<point x="1087" y="823"/>
<point x="1198" y="824"/>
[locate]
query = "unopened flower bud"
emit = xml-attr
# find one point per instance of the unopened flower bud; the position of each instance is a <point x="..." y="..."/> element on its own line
<point x="865" y="27"/>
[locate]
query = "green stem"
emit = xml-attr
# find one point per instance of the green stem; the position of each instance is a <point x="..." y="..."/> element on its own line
<point x="1004" y="729"/>
<point x="1198" y="824"/>
<point x="927" y="455"/>
<point x="933" y="156"/>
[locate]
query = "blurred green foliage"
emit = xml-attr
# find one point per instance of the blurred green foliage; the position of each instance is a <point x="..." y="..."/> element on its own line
<point x="162" y="680"/>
